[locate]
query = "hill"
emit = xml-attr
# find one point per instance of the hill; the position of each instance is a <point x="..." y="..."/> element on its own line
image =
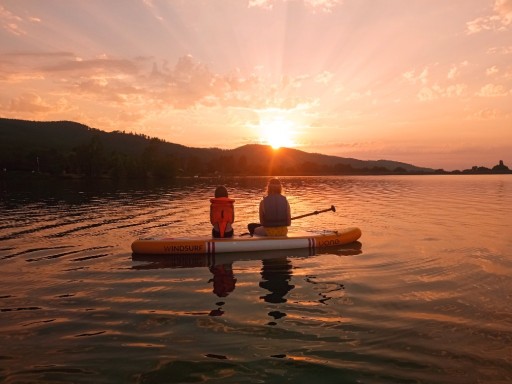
<point x="290" y="156"/>
<point x="70" y="148"/>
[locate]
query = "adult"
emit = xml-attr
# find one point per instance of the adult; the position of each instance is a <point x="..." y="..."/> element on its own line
<point x="274" y="210"/>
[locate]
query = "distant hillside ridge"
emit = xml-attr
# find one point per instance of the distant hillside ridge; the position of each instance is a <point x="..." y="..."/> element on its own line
<point x="69" y="134"/>
<point x="71" y="148"/>
<point x="295" y="155"/>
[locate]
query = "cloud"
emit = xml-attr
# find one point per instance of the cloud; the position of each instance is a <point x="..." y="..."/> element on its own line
<point x="264" y="4"/>
<point x="64" y="72"/>
<point x="105" y="88"/>
<point x="455" y="70"/>
<point x="414" y="77"/>
<point x="188" y="84"/>
<point x="493" y="90"/>
<point x="492" y="70"/>
<point x="10" y="22"/>
<point x="438" y="81"/>
<point x="323" y="5"/>
<point x="488" y="23"/>
<point x="18" y="66"/>
<point x="29" y="103"/>
<point x="504" y="50"/>
<point x="191" y="83"/>
<point x="499" y="21"/>
<point x="324" y="78"/>
<point x="436" y="92"/>
<point x="486" y="114"/>
<point x="93" y="66"/>
<point x="148" y="3"/>
<point x="33" y="105"/>
<point x="504" y="9"/>
<point x="13" y="24"/>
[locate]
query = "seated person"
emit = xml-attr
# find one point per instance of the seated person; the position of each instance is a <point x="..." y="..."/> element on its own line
<point x="222" y="213"/>
<point x="275" y="216"/>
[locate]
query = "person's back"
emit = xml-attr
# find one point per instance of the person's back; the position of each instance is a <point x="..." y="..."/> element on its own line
<point x="222" y="213"/>
<point x="274" y="212"/>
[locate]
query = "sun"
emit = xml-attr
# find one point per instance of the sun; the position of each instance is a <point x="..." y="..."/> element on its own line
<point x="277" y="133"/>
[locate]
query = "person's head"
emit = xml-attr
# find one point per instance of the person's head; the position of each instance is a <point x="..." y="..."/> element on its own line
<point x="221" y="191"/>
<point x="274" y="186"/>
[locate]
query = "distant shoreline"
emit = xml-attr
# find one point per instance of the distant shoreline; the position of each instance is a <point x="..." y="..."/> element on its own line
<point x="35" y="176"/>
<point x="70" y="150"/>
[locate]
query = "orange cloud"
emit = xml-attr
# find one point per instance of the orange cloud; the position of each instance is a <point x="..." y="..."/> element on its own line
<point x="29" y="103"/>
<point x="500" y="21"/>
<point x="493" y="90"/>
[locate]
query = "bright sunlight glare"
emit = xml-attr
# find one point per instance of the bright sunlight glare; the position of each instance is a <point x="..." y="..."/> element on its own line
<point x="277" y="133"/>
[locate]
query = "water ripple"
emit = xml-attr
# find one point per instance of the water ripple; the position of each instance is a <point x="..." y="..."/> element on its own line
<point x="425" y="297"/>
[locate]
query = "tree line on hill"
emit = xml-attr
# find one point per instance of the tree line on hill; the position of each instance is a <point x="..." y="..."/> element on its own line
<point x="499" y="168"/>
<point x="69" y="149"/>
<point x="93" y="159"/>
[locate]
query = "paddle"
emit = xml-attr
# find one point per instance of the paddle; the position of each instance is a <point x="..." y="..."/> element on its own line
<point x="252" y="226"/>
<point x="333" y="208"/>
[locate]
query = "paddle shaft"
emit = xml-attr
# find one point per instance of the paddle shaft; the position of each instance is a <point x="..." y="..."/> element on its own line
<point x="252" y="226"/>
<point x="315" y="213"/>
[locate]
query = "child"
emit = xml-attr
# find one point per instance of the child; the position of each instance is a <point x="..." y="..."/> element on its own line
<point x="222" y="213"/>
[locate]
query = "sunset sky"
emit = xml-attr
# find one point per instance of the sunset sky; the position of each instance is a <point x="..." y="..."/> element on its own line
<point x="427" y="82"/>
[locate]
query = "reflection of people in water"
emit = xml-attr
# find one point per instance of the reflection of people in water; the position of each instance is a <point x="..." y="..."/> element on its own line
<point x="223" y="284"/>
<point x="223" y="279"/>
<point x="276" y="275"/>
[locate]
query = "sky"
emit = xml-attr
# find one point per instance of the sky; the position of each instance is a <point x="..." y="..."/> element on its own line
<point x="426" y="82"/>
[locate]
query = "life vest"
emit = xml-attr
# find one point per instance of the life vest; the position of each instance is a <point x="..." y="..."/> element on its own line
<point x="275" y="211"/>
<point x="222" y="212"/>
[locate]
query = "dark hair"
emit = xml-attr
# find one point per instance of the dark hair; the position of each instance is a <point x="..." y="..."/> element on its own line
<point x="221" y="191"/>
<point x="274" y="186"/>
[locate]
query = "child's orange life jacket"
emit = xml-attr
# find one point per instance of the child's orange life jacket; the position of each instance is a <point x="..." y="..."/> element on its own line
<point x="222" y="212"/>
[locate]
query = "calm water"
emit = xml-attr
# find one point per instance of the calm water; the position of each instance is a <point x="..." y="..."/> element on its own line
<point x="425" y="297"/>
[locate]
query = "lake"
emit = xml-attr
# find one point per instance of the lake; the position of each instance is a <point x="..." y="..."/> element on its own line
<point x="425" y="296"/>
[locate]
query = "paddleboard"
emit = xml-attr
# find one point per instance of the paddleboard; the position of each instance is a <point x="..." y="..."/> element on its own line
<point x="212" y="246"/>
<point x="203" y="260"/>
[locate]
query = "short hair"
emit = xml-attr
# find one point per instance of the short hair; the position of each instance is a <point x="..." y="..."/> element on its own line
<point x="274" y="186"/>
<point x="221" y="191"/>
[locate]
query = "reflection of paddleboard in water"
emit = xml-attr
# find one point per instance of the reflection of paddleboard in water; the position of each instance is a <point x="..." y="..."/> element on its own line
<point x="210" y="246"/>
<point x="193" y="261"/>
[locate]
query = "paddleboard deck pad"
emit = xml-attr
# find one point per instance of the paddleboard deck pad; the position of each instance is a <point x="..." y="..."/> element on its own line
<point x="212" y="246"/>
